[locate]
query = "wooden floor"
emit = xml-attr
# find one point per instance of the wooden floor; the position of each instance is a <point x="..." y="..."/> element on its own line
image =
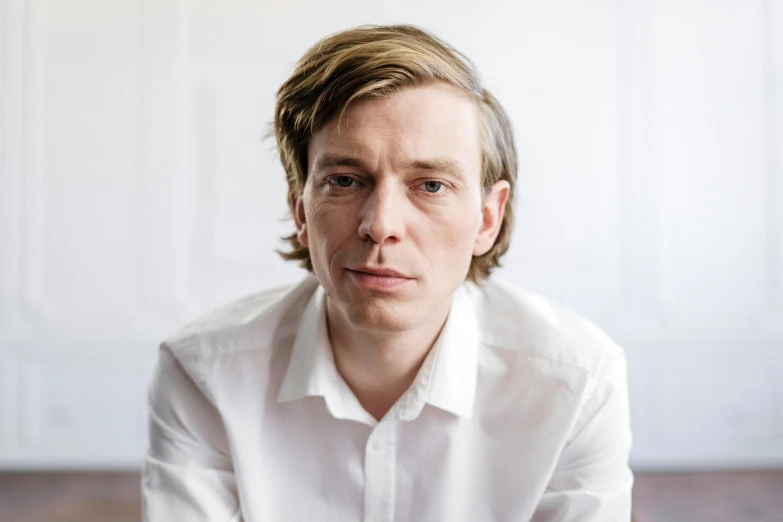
<point x="70" y="497"/>
<point x="658" y="497"/>
<point x="709" y="497"/>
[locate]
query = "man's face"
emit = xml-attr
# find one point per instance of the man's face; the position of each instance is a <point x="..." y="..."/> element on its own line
<point x="393" y="209"/>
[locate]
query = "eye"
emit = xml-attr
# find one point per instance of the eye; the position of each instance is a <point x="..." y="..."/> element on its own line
<point x="342" y="181"/>
<point x="432" y="186"/>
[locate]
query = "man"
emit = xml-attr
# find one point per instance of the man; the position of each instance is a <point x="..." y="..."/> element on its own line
<point x="397" y="383"/>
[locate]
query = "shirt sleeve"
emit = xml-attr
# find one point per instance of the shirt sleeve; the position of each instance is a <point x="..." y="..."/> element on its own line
<point x="592" y="481"/>
<point x="187" y="472"/>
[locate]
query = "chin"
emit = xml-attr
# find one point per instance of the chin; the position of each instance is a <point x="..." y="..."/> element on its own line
<point x="380" y="317"/>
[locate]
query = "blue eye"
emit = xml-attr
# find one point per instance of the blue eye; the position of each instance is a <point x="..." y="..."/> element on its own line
<point x="342" y="181"/>
<point x="432" y="186"/>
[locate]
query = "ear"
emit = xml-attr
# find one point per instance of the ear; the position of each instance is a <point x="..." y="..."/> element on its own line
<point x="297" y="210"/>
<point x="492" y="210"/>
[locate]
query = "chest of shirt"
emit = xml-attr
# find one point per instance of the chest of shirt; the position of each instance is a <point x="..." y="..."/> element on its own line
<point x="306" y="465"/>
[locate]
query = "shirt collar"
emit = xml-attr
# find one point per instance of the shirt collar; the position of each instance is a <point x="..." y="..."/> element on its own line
<point x="446" y="380"/>
<point x="311" y="357"/>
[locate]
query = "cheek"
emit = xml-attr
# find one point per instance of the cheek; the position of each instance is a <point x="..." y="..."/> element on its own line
<point x="451" y="231"/>
<point x="329" y="225"/>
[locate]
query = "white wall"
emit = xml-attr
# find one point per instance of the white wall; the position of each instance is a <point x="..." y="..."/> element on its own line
<point x="135" y="192"/>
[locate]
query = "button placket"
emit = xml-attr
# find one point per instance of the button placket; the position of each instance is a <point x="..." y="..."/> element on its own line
<point x="380" y="471"/>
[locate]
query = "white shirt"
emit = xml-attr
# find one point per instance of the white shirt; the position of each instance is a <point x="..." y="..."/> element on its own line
<point x="518" y="413"/>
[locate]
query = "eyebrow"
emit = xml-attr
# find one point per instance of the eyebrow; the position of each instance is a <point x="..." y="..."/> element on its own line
<point x="439" y="165"/>
<point x="333" y="160"/>
<point x="446" y="165"/>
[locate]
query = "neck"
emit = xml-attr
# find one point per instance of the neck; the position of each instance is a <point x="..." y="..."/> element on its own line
<point x="380" y="366"/>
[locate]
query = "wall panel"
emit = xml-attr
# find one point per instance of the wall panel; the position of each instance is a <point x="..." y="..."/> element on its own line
<point x="710" y="135"/>
<point x="80" y="238"/>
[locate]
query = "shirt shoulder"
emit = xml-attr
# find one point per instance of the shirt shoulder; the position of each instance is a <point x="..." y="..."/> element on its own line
<point x="254" y="322"/>
<point x="518" y="320"/>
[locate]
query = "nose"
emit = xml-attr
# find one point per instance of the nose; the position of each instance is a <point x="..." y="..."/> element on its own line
<point x="382" y="217"/>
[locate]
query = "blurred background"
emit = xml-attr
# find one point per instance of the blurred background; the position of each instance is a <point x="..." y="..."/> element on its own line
<point x="136" y="192"/>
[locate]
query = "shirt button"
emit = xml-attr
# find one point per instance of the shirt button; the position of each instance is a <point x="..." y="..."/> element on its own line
<point x="377" y="445"/>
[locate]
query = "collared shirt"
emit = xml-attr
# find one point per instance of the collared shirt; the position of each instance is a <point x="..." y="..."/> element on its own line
<point x="519" y="412"/>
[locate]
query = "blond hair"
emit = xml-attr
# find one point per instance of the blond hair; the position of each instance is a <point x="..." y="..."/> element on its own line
<point x="374" y="61"/>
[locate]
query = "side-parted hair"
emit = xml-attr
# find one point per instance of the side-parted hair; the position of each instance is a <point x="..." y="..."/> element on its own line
<point x="375" y="61"/>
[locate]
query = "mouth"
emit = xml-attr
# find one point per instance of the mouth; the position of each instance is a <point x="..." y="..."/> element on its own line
<point x="378" y="278"/>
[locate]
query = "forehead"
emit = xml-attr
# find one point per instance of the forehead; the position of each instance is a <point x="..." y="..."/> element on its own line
<point x="412" y="124"/>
